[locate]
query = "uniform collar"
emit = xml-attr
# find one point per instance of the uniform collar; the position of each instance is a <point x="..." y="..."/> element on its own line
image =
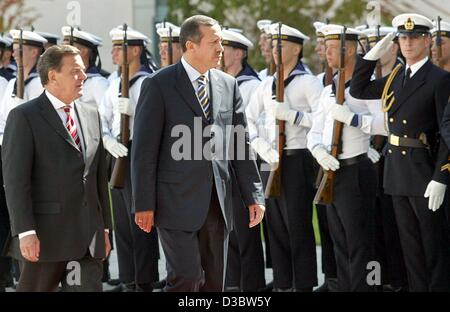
<point x="57" y="103"/>
<point x="192" y="73"/>
<point x="415" y="67"/>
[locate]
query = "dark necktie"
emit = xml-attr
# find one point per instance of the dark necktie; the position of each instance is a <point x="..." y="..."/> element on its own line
<point x="407" y="76"/>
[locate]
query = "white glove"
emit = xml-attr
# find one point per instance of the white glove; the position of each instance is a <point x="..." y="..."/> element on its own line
<point x="124" y="106"/>
<point x="265" y="151"/>
<point x="1" y="139"/>
<point x="324" y="159"/>
<point x="341" y="113"/>
<point x="380" y="48"/>
<point x="373" y="155"/>
<point x="114" y="148"/>
<point x="282" y="111"/>
<point x="435" y="191"/>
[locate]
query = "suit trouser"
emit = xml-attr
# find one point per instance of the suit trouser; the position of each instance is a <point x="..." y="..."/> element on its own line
<point x="424" y="237"/>
<point x="245" y="261"/>
<point x="289" y="220"/>
<point x="349" y="222"/>
<point x="195" y="261"/>
<point x="137" y="251"/>
<point x="5" y="262"/>
<point x="46" y="276"/>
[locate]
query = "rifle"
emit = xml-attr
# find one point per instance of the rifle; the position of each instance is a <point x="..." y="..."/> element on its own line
<point x="325" y="191"/>
<point x="378" y="140"/>
<point x="20" y="71"/>
<point x="273" y="188"/>
<point x="439" y="43"/>
<point x="118" y="174"/>
<point x="170" y="47"/>
<point x="328" y="69"/>
<point x="378" y="72"/>
<point x="71" y="36"/>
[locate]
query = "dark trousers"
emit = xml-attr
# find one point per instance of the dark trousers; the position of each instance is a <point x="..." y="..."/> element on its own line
<point x="195" y="261"/>
<point x="245" y="261"/>
<point x="289" y="219"/>
<point x="424" y="236"/>
<point x="137" y="251"/>
<point x="349" y="222"/>
<point x="83" y="275"/>
<point x="328" y="258"/>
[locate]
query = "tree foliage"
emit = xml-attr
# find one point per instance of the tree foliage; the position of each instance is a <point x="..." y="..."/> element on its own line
<point x="15" y="13"/>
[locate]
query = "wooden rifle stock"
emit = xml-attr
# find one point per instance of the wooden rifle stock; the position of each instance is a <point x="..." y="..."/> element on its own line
<point x="170" y="47"/>
<point x="325" y="191"/>
<point x="273" y="188"/>
<point x="20" y="90"/>
<point x="439" y="61"/>
<point x="118" y="174"/>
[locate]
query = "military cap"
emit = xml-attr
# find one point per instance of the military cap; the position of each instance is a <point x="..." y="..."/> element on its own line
<point x="372" y="32"/>
<point x="235" y="39"/>
<point x="134" y="37"/>
<point x="28" y="38"/>
<point x="412" y="23"/>
<point x="334" y="32"/>
<point x="445" y="29"/>
<point x="80" y="37"/>
<point x="287" y="33"/>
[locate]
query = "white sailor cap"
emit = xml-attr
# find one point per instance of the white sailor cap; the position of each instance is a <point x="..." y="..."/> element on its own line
<point x="334" y="32"/>
<point x="81" y="37"/>
<point x="264" y="25"/>
<point x="165" y="25"/>
<point x="318" y="26"/>
<point x="5" y="42"/>
<point x="373" y="35"/>
<point x="173" y="32"/>
<point x="445" y="29"/>
<point x="287" y="33"/>
<point x="235" y="39"/>
<point x="51" y="38"/>
<point x="133" y="36"/>
<point x="412" y="23"/>
<point x="28" y="38"/>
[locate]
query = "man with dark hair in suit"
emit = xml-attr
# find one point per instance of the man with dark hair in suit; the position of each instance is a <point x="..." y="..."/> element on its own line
<point x="55" y="181"/>
<point x="188" y="196"/>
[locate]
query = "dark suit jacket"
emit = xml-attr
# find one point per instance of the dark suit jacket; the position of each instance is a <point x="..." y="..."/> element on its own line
<point x="49" y="186"/>
<point x="179" y="190"/>
<point x="418" y="108"/>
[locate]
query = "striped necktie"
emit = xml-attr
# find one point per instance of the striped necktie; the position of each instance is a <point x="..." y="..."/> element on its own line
<point x="72" y="128"/>
<point x="203" y="96"/>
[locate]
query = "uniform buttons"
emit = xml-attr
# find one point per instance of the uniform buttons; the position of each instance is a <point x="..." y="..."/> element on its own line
<point x="404" y="122"/>
<point x="391" y="120"/>
<point x="403" y="153"/>
<point x="390" y="151"/>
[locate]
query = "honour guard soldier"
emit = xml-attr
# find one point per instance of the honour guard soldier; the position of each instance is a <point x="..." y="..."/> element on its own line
<point x="137" y="251"/>
<point x="265" y="45"/>
<point x="32" y="48"/>
<point x="169" y="38"/>
<point x="352" y="201"/>
<point x="95" y="84"/>
<point x="245" y="268"/>
<point x="441" y="58"/>
<point x="414" y="97"/>
<point x="328" y="258"/>
<point x="7" y="68"/>
<point x="291" y="235"/>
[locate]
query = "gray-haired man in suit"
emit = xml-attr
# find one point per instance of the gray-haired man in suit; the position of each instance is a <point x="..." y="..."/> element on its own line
<point x="189" y="198"/>
<point x="55" y="181"/>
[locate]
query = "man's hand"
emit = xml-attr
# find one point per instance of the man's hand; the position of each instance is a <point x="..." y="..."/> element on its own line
<point x="256" y="213"/>
<point x="107" y="245"/>
<point x="30" y="247"/>
<point x="144" y="220"/>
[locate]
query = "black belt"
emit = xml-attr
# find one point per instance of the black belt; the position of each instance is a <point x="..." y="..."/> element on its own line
<point x="353" y="160"/>
<point x="406" y="142"/>
<point x="292" y="152"/>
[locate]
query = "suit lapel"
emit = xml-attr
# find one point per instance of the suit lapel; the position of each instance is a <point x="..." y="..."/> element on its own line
<point x="216" y="93"/>
<point x="187" y="92"/>
<point x="90" y="134"/>
<point x="412" y="86"/>
<point x="52" y="117"/>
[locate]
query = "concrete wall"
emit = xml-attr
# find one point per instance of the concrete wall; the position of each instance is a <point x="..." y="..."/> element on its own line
<point x="97" y="17"/>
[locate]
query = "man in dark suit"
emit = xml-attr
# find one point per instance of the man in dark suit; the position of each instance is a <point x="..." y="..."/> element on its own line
<point x="184" y="183"/>
<point x="414" y="95"/>
<point x="55" y="181"/>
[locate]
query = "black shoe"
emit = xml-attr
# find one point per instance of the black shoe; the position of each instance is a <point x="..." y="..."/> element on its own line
<point x="113" y="282"/>
<point x="160" y="284"/>
<point x="123" y="287"/>
<point x="322" y="288"/>
<point x="232" y="289"/>
<point x="268" y="288"/>
<point x="307" y="289"/>
<point x="283" y="290"/>
<point x="144" y="287"/>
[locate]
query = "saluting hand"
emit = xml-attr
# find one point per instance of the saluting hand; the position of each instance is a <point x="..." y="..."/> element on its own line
<point x="30" y="247"/>
<point x="256" y="213"/>
<point x="144" y="219"/>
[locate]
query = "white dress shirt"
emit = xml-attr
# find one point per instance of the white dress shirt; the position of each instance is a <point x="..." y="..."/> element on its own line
<point x="415" y="67"/>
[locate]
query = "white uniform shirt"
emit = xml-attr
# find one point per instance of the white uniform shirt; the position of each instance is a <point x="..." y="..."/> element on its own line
<point x="3" y="84"/>
<point x="94" y="89"/>
<point x="302" y="94"/>
<point x="32" y="90"/>
<point x="108" y="109"/>
<point x="355" y="140"/>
